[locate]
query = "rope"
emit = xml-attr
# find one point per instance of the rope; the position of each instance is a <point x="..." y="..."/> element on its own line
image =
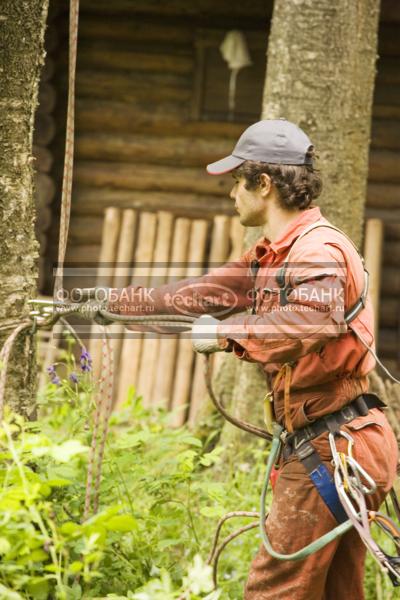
<point x="69" y="148"/>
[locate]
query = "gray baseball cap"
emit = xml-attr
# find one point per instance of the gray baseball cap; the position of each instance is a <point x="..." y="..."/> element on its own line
<point x="275" y="141"/>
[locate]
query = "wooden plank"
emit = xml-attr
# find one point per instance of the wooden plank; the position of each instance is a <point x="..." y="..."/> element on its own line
<point x="151" y="343"/>
<point x="168" y="347"/>
<point x="132" y="343"/>
<point x="185" y="358"/>
<point x="373" y="257"/>
<point x="150" y="178"/>
<point x="92" y="201"/>
<point x="151" y="149"/>
<point x="220" y="246"/>
<point x="104" y="277"/>
<point x="43" y="159"/>
<point x="122" y="271"/>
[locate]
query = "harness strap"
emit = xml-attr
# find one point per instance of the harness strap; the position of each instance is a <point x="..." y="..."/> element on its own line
<point x="285" y="373"/>
<point x="322" y="479"/>
<point x="354" y="310"/>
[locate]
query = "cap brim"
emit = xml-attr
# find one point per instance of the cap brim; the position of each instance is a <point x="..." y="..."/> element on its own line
<point x="225" y="165"/>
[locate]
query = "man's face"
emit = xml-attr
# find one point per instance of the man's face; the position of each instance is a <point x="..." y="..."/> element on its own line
<point x="250" y="204"/>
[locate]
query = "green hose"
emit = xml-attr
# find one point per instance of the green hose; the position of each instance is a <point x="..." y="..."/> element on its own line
<point x="316" y="544"/>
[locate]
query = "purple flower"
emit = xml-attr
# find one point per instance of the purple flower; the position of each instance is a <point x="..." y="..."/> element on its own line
<point x="54" y="378"/>
<point x="73" y="377"/>
<point x="85" y="361"/>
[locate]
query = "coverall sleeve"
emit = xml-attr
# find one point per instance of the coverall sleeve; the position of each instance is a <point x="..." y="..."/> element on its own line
<point x="221" y="292"/>
<point x="313" y="315"/>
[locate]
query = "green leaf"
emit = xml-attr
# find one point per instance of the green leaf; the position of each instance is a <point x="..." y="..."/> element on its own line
<point x="75" y="567"/>
<point x="121" y="523"/>
<point x="5" y="545"/>
<point x="7" y="594"/>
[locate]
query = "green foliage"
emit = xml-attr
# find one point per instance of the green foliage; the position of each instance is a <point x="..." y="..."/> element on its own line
<point x="161" y="496"/>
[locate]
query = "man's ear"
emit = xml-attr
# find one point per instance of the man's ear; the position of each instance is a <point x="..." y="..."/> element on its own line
<point x="265" y="184"/>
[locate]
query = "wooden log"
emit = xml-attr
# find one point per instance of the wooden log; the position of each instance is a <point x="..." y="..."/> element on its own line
<point x="146" y="87"/>
<point x="389" y="343"/>
<point x="385" y="215"/>
<point x="44" y="129"/>
<point x="185" y="358"/>
<point x="121" y="275"/>
<point x="388" y="71"/>
<point x="386" y="94"/>
<point x="150" y="177"/>
<point x="373" y="257"/>
<point x="220" y="246"/>
<point x="48" y="69"/>
<point x="392" y="228"/>
<point x="132" y="343"/>
<point x="381" y="195"/>
<point x="82" y="254"/>
<point x="384" y="166"/>
<point x="104" y="277"/>
<point x="386" y="111"/>
<point x="176" y="150"/>
<point x="43" y="220"/>
<point x="159" y="273"/>
<point x="46" y="98"/>
<point x="85" y="230"/>
<point x="88" y="201"/>
<point x="43" y="159"/>
<point x="389" y="312"/>
<point x="385" y="134"/>
<point x="256" y="8"/>
<point x="164" y="375"/>
<point x="101" y="56"/>
<point x="133" y="31"/>
<point x="135" y="117"/>
<point x="45" y="189"/>
<point x="391" y="281"/>
<point x="391" y="253"/>
<point x="389" y="40"/>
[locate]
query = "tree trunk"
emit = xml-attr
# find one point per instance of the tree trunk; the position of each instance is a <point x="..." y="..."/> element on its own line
<point x="320" y="75"/>
<point x="22" y="26"/>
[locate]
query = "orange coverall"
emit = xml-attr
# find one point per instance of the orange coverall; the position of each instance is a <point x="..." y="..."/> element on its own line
<point x="328" y="368"/>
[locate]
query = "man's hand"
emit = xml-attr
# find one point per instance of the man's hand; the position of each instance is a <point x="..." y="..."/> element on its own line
<point x="204" y="335"/>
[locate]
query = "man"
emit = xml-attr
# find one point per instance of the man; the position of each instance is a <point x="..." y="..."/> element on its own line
<point x="308" y="317"/>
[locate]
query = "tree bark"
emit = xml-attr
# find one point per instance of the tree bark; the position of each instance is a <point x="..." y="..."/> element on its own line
<point x="22" y="27"/>
<point x="320" y="75"/>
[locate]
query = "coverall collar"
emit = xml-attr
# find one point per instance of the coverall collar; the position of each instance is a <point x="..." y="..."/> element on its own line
<point x="292" y="231"/>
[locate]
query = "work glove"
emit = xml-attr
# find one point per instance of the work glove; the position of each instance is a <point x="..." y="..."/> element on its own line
<point x="204" y="335"/>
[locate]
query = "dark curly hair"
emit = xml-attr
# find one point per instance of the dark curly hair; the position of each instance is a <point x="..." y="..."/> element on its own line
<point x="297" y="185"/>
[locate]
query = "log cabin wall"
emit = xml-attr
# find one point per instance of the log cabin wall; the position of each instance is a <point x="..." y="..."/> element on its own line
<point x="138" y="145"/>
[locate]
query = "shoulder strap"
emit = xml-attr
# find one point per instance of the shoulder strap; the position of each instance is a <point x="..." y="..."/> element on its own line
<point x="353" y="311"/>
